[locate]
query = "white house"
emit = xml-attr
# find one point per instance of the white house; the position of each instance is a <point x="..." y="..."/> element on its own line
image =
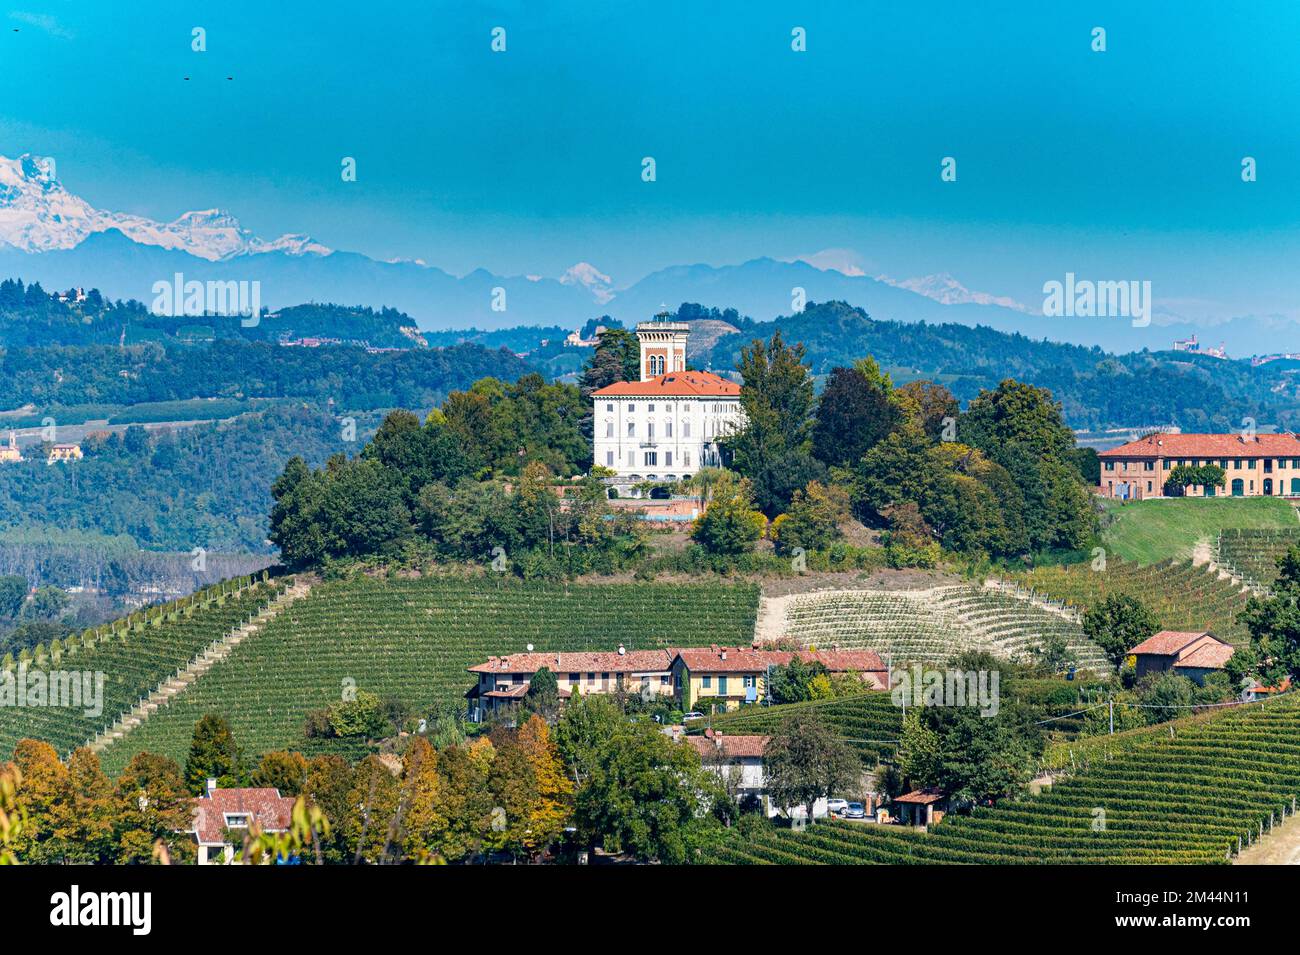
<point x="666" y="426"/>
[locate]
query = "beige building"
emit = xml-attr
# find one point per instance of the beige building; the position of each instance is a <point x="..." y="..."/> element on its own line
<point x="10" y="453"/>
<point x="504" y="681"/>
<point x="1260" y="465"/>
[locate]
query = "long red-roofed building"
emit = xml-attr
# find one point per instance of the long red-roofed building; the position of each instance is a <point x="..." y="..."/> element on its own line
<point x="1255" y="465"/>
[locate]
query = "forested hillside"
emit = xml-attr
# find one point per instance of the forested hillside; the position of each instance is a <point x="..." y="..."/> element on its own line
<point x="1095" y="389"/>
<point x="206" y="486"/>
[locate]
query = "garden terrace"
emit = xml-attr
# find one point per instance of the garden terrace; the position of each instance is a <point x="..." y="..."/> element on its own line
<point x="1251" y="555"/>
<point x="932" y="626"/>
<point x="1182" y="596"/>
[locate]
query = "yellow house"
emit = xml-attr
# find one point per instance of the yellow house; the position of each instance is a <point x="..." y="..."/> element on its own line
<point x="727" y="677"/>
<point x="64" y="452"/>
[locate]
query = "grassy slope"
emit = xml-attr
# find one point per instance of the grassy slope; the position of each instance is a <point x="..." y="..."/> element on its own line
<point x="1151" y="531"/>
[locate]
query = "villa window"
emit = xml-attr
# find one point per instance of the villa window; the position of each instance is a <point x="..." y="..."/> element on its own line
<point x="631" y="429"/>
<point x="668" y="428"/>
<point x="651" y="458"/>
<point x="609" y="459"/>
<point x="668" y="459"/>
<point x="686" y="429"/>
<point x="609" y="429"/>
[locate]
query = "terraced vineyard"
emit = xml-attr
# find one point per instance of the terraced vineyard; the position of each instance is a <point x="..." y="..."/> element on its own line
<point x="1182" y="596"/>
<point x="135" y="654"/>
<point x="1184" y="799"/>
<point x="870" y="723"/>
<point x="931" y="626"/>
<point x="1252" y="554"/>
<point x="414" y="639"/>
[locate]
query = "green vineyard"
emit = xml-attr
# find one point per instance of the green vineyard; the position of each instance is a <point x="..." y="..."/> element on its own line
<point x="1182" y="596"/>
<point x="1184" y="794"/>
<point x="135" y="654"/>
<point x="870" y="723"/>
<point x="1252" y="554"/>
<point x="932" y="626"/>
<point x="413" y="639"/>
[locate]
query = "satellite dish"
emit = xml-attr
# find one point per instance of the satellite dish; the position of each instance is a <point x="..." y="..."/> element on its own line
<point x="530" y="648"/>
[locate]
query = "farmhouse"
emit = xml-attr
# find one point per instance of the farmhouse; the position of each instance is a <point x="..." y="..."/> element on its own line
<point x="737" y="760"/>
<point x="503" y="681"/>
<point x="726" y="677"/>
<point x="1189" y="654"/>
<point x="64" y="452"/>
<point x="1259" y="465"/>
<point x="223" y="815"/>
<point x="667" y="425"/>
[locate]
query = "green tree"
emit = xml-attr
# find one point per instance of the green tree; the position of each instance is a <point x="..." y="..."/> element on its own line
<point x="730" y="524"/>
<point x="213" y="755"/>
<point x="1119" y="623"/>
<point x="543" y="696"/>
<point x="1274" y="624"/>
<point x="637" y="791"/>
<point x="774" y="448"/>
<point x="855" y="412"/>
<point x="812" y="520"/>
<point x="13" y="591"/>
<point x="805" y="761"/>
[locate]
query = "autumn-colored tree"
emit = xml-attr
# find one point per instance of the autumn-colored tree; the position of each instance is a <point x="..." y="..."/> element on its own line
<point x="374" y="794"/>
<point x="43" y="787"/>
<point x="553" y="793"/>
<point x="282" y="770"/>
<point x="152" y="806"/>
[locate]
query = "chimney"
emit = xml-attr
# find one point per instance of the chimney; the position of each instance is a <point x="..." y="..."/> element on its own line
<point x="212" y="786"/>
<point x="724" y="653"/>
<point x="714" y="647"/>
<point x="622" y="650"/>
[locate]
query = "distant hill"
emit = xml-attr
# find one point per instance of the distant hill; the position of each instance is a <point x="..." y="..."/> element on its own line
<point x="1096" y="389"/>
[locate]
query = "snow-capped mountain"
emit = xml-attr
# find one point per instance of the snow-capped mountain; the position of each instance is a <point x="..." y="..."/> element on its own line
<point x="946" y="290"/>
<point x="586" y="275"/>
<point x="38" y="215"/>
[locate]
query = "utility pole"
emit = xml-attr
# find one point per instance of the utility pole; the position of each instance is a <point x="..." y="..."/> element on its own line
<point x="1112" y="716"/>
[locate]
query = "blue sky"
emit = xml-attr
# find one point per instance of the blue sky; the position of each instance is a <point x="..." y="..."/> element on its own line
<point x="1123" y="164"/>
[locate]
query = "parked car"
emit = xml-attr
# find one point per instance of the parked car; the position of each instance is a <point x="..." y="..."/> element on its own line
<point x="855" y="810"/>
<point x="837" y="807"/>
<point x="693" y="715"/>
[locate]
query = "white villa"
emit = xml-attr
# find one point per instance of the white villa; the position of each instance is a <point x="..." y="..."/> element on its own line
<point x="665" y="426"/>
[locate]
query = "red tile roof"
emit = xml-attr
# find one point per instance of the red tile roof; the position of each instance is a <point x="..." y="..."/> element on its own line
<point x="1167" y="643"/>
<point x="684" y="384"/>
<point x="1210" y="656"/>
<point x="633" y="661"/>
<point x="1189" y="649"/>
<point x="1208" y="446"/>
<point x="745" y="660"/>
<point x="271" y="811"/>
<point x="731" y="747"/>
<point x="922" y="797"/>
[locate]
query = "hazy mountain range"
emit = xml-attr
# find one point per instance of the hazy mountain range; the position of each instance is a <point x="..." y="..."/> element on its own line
<point x="49" y="235"/>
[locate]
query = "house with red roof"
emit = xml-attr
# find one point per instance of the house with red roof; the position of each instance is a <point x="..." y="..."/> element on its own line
<point x="502" y="682"/>
<point x="1188" y="653"/>
<point x="724" y="678"/>
<point x="737" y="760"/>
<point x="1255" y="465"/>
<point x="667" y="425"/>
<point x="223" y="816"/>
